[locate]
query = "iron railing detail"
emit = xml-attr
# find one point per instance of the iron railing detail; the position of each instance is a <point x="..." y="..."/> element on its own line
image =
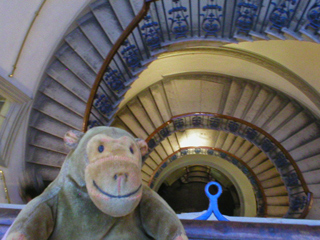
<point x="246" y="170"/>
<point x="299" y="195"/>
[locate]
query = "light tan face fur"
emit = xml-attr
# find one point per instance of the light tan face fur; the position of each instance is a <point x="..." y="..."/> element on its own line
<point x="113" y="175"/>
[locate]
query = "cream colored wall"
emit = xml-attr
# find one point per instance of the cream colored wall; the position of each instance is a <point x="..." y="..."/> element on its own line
<point x="285" y="72"/>
<point x="48" y="29"/>
<point x="303" y="58"/>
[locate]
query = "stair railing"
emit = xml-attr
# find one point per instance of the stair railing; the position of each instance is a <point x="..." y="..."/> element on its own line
<point x="174" y="21"/>
<point x="114" y="73"/>
<point x="299" y="194"/>
<point x="260" y="196"/>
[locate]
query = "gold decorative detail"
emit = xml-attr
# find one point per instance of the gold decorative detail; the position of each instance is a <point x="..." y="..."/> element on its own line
<point x="25" y="38"/>
<point x="2" y="178"/>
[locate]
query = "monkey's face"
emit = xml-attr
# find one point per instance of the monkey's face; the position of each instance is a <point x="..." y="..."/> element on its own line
<point x="113" y="175"/>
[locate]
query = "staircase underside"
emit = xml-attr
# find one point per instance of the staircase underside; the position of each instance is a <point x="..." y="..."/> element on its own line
<point x="61" y="100"/>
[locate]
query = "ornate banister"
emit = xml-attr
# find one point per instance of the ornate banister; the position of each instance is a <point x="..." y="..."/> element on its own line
<point x="266" y="141"/>
<point x="256" y="184"/>
<point x="134" y="23"/>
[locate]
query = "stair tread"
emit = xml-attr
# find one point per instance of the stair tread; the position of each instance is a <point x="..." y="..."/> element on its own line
<point x="303" y="136"/>
<point x="283" y="115"/>
<point x="307" y="150"/>
<point x="95" y="34"/>
<point x="123" y="11"/>
<point x="74" y="63"/>
<point x="83" y="47"/>
<point x="66" y="78"/>
<point x="46" y="157"/>
<point x="48" y="141"/>
<point x="309" y="164"/>
<point x="296" y="124"/>
<point x="59" y="94"/>
<point x="103" y="12"/>
<point x="233" y="97"/>
<point x="273" y="182"/>
<point x="275" y="106"/>
<point x="244" y="100"/>
<point x="276" y="191"/>
<point x="271" y="173"/>
<point x="258" y="103"/>
<point x="57" y="111"/>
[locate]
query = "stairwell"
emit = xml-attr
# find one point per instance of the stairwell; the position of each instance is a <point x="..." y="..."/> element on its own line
<point x="61" y="100"/>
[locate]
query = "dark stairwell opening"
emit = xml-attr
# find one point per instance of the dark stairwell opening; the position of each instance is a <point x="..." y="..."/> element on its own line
<point x="184" y="191"/>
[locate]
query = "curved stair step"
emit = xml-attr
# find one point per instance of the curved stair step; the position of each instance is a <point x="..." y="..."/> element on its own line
<point x="251" y="154"/>
<point x="236" y="87"/>
<point x="94" y="32"/>
<point x="307" y="150"/>
<point x="152" y="165"/>
<point x="315" y="211"/>
<point x="123" y="11"/>
<point x="276" y="104"/>
<point x="237" y="143"/>
<point x="312" y="177"/>
<point x="47" y="141"/>
<point x="278" y="201"/>
<point x="309" y="164"/>
<point x="264" y="166"/>
<point x="58" y="112"/>
<point x="285" y="114"/>
<point x="54" y="91"/>
<point x="276" y="191"/>
<point x="84" y="48"/>
<point x="258" y="159"/>
<point x="272" y="182"/>
<point x="248" y="93"/>
<point x="271" y="173"/>
<point x="141" y="116"/>
<point x="49" y="125"/>
<point x="73" y="62"/>
<point x="46" y="157"/>
<point x="302" y="137"/>
<point x="69" y="80"/>
<point x="105" y="15"/>
<point x="258" y="102"/>
<point x="295" y="125"/>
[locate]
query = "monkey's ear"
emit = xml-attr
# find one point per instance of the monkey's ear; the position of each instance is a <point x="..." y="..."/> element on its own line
<point x="143" y="146"/>
<point x="72" y="138"/>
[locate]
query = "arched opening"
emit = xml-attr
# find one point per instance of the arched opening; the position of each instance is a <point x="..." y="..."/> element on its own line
<point x="184" y="191"/>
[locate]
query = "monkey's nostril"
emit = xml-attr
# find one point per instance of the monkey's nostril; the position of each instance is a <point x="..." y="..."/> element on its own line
<point x="126" y="175"/>
<point x="115" y="176"/>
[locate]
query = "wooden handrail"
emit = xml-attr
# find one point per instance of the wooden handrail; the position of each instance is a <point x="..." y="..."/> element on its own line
<point x="264" y="199"/>
<point x="272" y="139"/>
<point x="129" y="29"/>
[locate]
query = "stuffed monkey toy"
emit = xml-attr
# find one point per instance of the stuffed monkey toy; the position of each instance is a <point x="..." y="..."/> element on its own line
<point x="99" y="194"/>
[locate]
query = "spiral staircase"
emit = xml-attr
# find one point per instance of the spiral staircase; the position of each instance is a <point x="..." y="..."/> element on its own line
<point x="61" y="102"/>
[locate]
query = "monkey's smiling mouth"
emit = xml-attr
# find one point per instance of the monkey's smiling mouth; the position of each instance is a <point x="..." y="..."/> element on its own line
<point x="114" y="196"/>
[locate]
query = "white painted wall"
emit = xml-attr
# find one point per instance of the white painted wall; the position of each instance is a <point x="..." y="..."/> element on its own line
<point x="49" y="27"/>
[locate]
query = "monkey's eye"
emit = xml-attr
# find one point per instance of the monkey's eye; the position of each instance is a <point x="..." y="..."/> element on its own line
<point x="131" y="150"/>
<point x="101" y="148"/>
